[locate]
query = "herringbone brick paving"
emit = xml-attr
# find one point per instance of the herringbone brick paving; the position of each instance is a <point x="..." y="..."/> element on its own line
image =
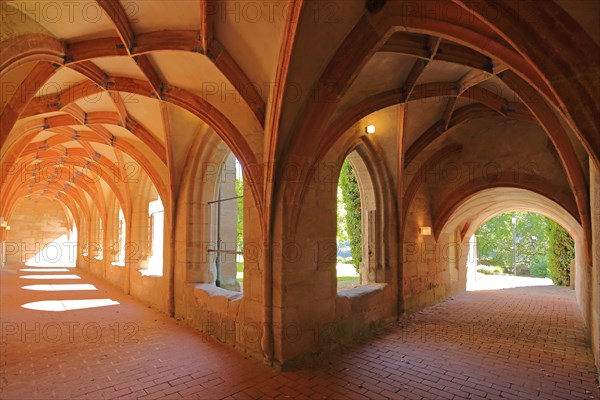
<point x="506" y="344"/>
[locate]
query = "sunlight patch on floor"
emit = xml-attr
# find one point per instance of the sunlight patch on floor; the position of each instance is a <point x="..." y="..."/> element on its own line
<point x="44" y="270"/>
<point x="60" y="287"/>
<point x="497" y="282"/>
<point x="50" y="277"/>
<point x="67" y="305"/>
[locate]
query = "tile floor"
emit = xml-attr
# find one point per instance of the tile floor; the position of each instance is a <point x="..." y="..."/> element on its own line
<point x="517" y="343"/>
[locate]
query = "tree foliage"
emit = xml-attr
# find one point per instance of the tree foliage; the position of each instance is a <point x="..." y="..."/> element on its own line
<point x="342" y="234"/>
<point x="353" y="216"/>
<point x="495" y="243"/>
<point x="562" y="252"/>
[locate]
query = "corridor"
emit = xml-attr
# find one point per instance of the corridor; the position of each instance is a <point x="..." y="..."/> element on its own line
<point x="512" y="344"/>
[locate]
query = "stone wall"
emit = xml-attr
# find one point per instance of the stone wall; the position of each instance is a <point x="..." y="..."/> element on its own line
<point x="39" y="234"/>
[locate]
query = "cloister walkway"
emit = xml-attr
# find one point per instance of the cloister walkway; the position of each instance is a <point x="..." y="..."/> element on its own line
<point x="505" y="344"/>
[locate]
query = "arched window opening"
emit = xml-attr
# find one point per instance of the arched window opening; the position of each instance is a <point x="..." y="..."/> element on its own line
<point x="98" y="247"/>
<point x="356" y="228"/>
<point x="85" y="238"/>
<point x="226" y="212"/>
<point x="156" y="228"/>
<point x="349" y="231"/>
<point x="520" y="249"/>
<point x="121" y="238"/>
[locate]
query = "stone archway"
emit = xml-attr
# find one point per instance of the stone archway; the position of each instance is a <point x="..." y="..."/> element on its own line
<point x="473" y="211"/>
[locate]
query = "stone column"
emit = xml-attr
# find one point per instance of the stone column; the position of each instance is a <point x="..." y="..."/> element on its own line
<point x="595" y="253"/>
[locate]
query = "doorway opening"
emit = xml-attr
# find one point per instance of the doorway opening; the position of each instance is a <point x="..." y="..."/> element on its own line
<point x="519" y="248"/>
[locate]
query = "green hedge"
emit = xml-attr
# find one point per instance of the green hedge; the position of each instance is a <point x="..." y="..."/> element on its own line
<point x="351" y="200"/>
<point x="562" y="252"/>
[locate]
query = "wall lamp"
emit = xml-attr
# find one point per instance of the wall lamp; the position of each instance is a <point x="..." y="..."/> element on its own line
<point x="425" y="231"/>
<point x="370" y="129"/>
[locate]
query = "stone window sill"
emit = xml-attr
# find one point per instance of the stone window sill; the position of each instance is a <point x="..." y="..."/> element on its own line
<point x="150" y="274"/>
<point x="210" y="290"/>
<point x="360" y="291"/>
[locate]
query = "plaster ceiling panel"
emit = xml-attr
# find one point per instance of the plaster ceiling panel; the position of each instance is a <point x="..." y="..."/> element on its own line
<point x="586" y="13"/>
<point x="251" y="32"/>
<point x="11" y="81"/>
<point x="509" y="135"/>
<point x="155" y="15"/>
<point x="197" y="74"/>
<point x="80" y="128"/>
<point x="119" y="66"/>
<point x="421" y="114"/>
<point x="24" y="121"/>
<point x="97" y="102"/>
<point x="498" y="87"/>
<point x="384" y="71"/>
<point x="145" y="111"/>
<point x="319" y="34"/>
<point x="463" y="101"/>
<point x="106" y="151"/>
<point x="136" y="173"/>
<point x="185" y="126"/>
<point x="442" y="71"/>
<point x="63" y="79"/>
<point x="505" y="147"/>
<point x="577" y="146"/>
<point x="69" y="20"/>
<point x="127" y="158"/>
<point x="42" y="135"/>
<point x="73" y="145"/>
<point x="15" y="23"/>
<point x="193" y="72"/>
<point x="120" y="132"/>
<point x="123" y="133"/>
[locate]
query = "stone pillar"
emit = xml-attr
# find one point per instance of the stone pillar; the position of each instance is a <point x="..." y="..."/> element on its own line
<point x="138" y="239"/>
<point x="2" y="246"/>
<point x="595" y="254"/>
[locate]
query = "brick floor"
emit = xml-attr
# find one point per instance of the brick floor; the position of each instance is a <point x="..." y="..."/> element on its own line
<point x="505" y="344"/>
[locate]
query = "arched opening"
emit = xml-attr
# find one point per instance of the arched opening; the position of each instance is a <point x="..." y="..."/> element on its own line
<point x="227" y="226"/>
<point x="357" y="224"/>
<point x="469" y="214"/>
<point x="156" y="228"/>
<point x="217" y="208"/>
<point x="519" y="248"/>
<point x="121" y="238"/>
<point x="117" y="236"/>
<point x="147" y="243"/>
